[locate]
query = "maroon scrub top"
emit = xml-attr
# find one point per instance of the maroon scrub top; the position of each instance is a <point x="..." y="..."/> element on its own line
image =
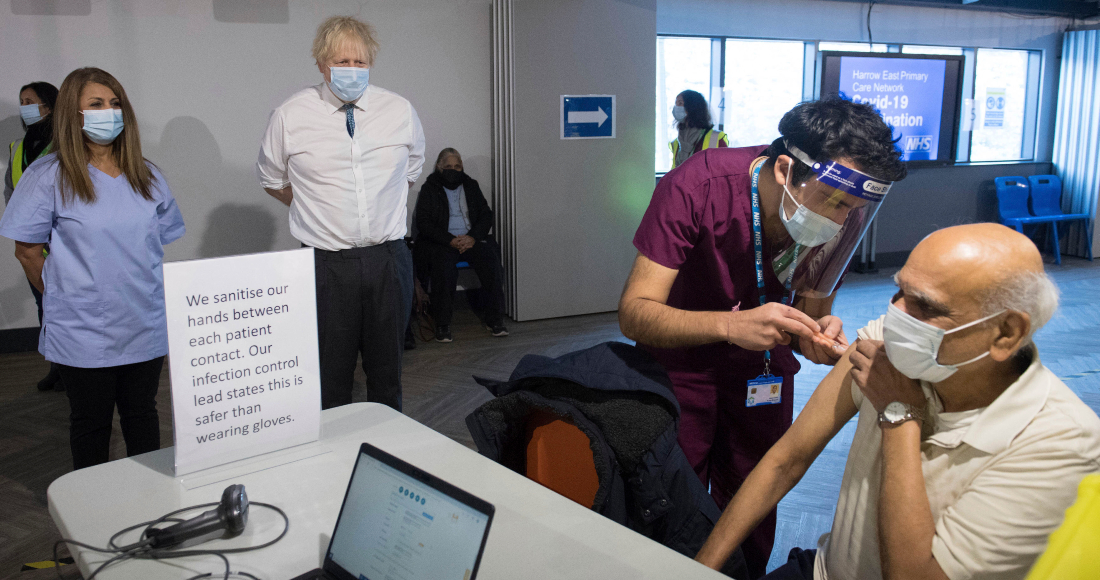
<point x="700" y="223"/>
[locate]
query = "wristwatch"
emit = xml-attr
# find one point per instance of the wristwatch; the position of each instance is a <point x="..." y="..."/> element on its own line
<point x="897" y="413"/>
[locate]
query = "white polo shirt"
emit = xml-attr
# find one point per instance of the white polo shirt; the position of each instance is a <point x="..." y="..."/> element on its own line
<point x="998" y="479"/>
<point x="348" y="191"/>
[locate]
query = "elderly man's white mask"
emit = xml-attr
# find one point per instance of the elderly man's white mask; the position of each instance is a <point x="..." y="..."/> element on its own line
<point x="913" y="346"/>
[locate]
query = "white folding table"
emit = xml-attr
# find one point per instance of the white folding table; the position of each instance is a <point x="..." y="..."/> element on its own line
<point x="536" y="533"/>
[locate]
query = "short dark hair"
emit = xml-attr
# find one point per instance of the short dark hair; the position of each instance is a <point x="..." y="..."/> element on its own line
<point x="46" y="92"/>
<point x="832" y="128"/>
<point x="698" y="113"/>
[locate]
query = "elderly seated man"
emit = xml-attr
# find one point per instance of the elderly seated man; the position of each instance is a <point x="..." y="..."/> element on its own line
<point x="967" y="449"/>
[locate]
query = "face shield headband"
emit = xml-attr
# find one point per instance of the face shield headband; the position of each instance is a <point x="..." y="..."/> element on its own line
<point x="844" y="199"/>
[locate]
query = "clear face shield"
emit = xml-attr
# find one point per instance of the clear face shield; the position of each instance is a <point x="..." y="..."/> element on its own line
<point x="826" y="217"/>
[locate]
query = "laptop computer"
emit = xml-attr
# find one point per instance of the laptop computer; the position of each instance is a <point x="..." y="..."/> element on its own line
<point x="401" y="522"/>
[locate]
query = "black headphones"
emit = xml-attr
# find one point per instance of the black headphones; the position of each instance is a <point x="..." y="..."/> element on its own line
<point x="228" y="519"/>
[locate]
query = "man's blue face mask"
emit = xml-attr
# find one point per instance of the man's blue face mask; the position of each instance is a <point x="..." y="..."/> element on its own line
<point x="348" y="82"/>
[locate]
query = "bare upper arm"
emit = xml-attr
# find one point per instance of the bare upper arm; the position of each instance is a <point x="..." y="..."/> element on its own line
<point x="830" y="407"/>
<point x="648" y="280"/>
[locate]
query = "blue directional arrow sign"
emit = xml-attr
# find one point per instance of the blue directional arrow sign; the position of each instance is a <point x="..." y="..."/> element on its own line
<point x="588" y="116"/>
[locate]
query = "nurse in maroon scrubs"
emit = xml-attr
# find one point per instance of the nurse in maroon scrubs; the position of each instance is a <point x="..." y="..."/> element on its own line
<point x="739" y="257"/>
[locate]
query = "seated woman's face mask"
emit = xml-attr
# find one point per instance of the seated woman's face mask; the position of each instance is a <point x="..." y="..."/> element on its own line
<point x="452" y="178"/>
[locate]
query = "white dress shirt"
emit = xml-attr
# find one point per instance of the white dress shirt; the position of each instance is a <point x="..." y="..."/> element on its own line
<point x="998" y="479"/>
<point x="348" y="192"/>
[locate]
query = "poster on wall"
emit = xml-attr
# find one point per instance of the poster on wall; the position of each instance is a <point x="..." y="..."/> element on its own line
<point x="994" y="107"/>
<point x="918" y="95"/>
<point x="907" y="92"/>
<point x="242" y="340"/>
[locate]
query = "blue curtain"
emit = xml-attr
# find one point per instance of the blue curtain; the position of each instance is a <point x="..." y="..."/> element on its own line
<point x="1077" y="133"/>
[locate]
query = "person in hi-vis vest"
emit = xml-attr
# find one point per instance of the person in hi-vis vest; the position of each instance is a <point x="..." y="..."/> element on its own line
<point x="695" y="131"/>
<point x="36" y="102"/>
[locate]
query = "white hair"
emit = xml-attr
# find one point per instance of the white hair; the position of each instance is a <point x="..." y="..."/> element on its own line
<point x="1033" y="293"/>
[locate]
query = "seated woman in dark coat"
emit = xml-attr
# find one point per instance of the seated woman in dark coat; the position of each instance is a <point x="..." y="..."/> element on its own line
<point x="453" y="222"/>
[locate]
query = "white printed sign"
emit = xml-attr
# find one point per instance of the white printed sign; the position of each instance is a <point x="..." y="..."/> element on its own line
<point x="995" y="107"/>
<point x="242" y="341"/>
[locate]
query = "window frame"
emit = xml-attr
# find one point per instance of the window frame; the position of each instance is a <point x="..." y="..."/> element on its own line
<point x="1032" y="101"/>
<point x="811" y="74"/>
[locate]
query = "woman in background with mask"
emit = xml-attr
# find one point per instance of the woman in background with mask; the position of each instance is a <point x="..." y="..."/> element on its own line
<point x="695" y="131"/>
<point x="453" y="222"/>
<point x="107" y="213"/>
<point x="36" y="102"/>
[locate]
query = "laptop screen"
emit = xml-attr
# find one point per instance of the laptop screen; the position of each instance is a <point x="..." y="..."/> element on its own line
<point x="396" y="526"/>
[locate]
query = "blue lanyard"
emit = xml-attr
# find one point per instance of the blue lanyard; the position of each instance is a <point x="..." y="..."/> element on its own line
<point x="758" y="244"/>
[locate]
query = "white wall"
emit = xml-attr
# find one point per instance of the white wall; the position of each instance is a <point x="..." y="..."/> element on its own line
<point x="205" y="75"/>
<point x="579" y="202"/>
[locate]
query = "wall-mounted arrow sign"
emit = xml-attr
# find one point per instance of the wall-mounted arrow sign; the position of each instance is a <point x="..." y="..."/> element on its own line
<point x="597" y="116"/>
<point x="587" y="117"/>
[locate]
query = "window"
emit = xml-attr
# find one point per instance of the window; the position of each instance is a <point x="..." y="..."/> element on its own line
<point x="853" y="47"/>
<point x="682" y="63"/>
<point x="1000" y="102"/>
<point x="747" y="100"/>
<point x="756" y="97"/>
<point x="918" y="49"/>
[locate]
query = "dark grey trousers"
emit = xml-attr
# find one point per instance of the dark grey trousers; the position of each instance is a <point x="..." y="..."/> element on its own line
<point x="364" y="296"/>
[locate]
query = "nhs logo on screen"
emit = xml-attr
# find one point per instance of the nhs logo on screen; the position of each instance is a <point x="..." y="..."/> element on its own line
<point x="914" y="143"/>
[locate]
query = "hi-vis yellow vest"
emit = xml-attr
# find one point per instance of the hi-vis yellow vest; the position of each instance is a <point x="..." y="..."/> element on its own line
<point x="710" y="139"/>
<point x="1071" y="549"/>
<point x="16" y="151"/>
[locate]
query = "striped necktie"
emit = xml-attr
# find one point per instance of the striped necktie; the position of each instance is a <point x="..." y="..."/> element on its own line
<point x="349" y="110"/>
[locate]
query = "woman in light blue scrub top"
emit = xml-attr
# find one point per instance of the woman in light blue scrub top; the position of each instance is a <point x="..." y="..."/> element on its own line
<point x="107" y="213"/>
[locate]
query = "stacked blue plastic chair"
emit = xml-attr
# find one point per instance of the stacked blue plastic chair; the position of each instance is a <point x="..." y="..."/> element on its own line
<point x="1013" y="193"/>
<point x="1046" y="201"/>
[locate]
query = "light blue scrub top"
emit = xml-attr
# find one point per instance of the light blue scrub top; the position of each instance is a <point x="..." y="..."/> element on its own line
<point x="104" y="299"/>
<point x="459" y="223"/>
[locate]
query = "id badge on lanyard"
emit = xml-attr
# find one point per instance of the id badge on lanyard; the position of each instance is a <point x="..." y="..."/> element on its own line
<point x="766" y="389"/>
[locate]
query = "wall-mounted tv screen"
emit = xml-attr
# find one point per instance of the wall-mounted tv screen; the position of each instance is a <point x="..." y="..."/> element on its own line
<point x="917" y="95"/>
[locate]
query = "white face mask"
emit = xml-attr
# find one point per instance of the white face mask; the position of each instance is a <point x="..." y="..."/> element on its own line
<point x="913" y="346"/>
<point x="679" y="113"/>
<point x="807" y="229"/>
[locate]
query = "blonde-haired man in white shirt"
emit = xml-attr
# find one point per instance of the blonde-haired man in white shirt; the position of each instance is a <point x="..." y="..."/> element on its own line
<point x="343" y="155"/>
<point x="967" y="450"/>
